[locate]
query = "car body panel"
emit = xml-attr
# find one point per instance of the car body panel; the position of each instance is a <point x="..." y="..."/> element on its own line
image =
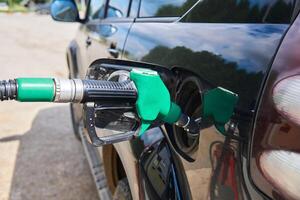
<point x="106" y="35"/>
<point x="97" y="37"/>
<point x="274" y="131"/>
<point x="130" y="164"/>
<point x="211" y="54"/>
<point x="235" y="56"/>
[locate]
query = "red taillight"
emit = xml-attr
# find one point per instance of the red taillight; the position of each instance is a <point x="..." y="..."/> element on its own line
<point x="275" y="143"/>
<point x="281" y="168"/>
<point x="286" y="98"/>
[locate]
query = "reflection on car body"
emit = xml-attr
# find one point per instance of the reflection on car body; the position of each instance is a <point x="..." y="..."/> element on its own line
<point x="195" y="46"/>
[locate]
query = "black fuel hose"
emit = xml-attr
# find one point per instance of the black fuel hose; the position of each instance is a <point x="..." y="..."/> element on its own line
<point x="8" y="90"/>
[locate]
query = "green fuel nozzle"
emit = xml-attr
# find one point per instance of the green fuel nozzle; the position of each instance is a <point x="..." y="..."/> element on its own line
<point x="154" y="102"/>
<point x="144" y="89"/>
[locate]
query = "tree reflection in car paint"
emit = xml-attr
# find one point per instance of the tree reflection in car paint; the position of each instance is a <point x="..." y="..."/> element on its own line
<point x="233" y="56"/>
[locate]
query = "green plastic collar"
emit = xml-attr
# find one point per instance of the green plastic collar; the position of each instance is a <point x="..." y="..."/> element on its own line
<point x="153" y="100"/>
<point x="35" y="89"/>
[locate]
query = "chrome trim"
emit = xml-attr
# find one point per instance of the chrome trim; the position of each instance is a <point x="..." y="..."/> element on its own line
<point x="68" y="90"/>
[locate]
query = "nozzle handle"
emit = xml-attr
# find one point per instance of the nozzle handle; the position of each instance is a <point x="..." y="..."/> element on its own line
<point x="95" y="90"/>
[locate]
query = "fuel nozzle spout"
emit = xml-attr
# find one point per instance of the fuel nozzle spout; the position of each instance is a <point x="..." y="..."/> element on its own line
<point x="190" y="125"/>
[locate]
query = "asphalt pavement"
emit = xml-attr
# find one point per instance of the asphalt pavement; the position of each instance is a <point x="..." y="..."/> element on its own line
<point x="39" y="155"/>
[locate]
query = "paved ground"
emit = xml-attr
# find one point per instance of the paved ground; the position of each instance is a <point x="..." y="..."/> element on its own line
<point x="40" y="158"/>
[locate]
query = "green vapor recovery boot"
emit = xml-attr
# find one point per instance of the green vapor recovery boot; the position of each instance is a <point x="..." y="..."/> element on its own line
<point x="218" y="105"/>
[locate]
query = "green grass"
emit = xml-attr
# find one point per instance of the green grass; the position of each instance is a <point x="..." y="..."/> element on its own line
<point x="15" y="8"/>
<point x="18" y="8"/>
